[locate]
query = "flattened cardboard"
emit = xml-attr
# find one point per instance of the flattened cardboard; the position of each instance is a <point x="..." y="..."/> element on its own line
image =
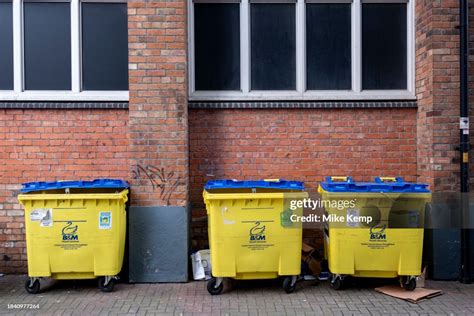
<point x="418" y="295"/>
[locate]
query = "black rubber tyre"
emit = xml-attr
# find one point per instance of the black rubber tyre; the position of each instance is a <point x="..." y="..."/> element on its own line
<point x="212" y="289"/>
<point x="34" y="288"/>
<point x="106" y="288"/>
<point x="337" y="283"/>
<point x="287" y="285"/>
<point x="410" y="285"/>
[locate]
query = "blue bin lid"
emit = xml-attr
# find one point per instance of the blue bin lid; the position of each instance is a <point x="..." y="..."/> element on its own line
<point x="252" y="184"/>
<point x="397" y="186"/>
<point x="55" y="185"/>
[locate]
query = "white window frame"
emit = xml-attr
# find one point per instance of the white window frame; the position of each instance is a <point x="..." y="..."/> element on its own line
<point x="301" y="94"/>
<point x="76" y="93"/>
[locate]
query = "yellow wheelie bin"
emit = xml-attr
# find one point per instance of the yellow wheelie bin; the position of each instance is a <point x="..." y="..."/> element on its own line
<point x="251" y="235"/>
<point x="374" y="229"/>
<point x="75" y="230"/>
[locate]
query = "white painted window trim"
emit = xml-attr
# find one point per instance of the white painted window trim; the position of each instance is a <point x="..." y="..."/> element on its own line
<point x="76" y="93"/>
<point x="245" y="94"/>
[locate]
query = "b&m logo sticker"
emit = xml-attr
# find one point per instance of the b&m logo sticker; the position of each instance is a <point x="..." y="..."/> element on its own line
<point x="378" y="239"/>
<point x="257" y="232"/>
<point x="105" y="220"/>
<point x="257" y="235"/>
<point x="69" y="232"/>
<point x="378" y="233"/>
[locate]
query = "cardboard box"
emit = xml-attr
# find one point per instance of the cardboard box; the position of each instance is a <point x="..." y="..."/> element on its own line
<point x="311" y="257"/>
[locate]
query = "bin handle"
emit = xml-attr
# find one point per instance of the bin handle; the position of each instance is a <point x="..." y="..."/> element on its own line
<point x="388" y="179"/>
<point x="339" y="178"/>
<point x="272" y="180"/>
<point x="125" y="196"/>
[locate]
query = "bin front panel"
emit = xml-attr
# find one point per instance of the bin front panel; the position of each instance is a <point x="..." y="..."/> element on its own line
<point x="75" y="236"/>
<point x="250" y="238"/>
<point x="354" y="252"/>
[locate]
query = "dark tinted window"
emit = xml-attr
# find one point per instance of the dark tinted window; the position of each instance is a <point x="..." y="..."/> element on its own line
<point x="47" y="39"/>
<point x="217" y="46"/>
<point x="6" y="46"/>
<point x="384" y="46"/>
<point x="104" y="46"/>
<point x="328" y="46"/>
<point x="273" y="42"/>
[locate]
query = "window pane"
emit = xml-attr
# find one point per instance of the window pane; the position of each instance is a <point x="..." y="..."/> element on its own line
<point x="104" y="46"/>
<point x="217" y="46"/>
<point x="273" y="46"/>
<point x="384" y="46"/>
<point x="47" y="46"/>
<point x="6" y="46"/>
<point x="328" y="46"/>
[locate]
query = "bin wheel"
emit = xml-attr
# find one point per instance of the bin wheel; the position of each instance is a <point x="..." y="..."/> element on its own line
<point x="32" y="288"/>
<point x="337" y="283"/>
<point x="289" y="285"/>
<point x="409" y="285"/>
<point x="212" y="289"/>
<point x="106" y="288"/>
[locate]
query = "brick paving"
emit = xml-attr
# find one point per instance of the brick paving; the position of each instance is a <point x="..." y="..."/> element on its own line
<point x="246" y="298"/>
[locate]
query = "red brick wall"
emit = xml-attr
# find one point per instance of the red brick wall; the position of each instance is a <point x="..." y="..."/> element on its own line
<point x="424" y="89"/>
<point x="38" y="145"/>
<point x="303" y="145"/>
<point x="438" y="84"/>
<point x="158" y="102"/>
<point x="149" y="143"/>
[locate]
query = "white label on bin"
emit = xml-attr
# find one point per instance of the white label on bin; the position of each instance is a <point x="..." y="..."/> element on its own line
<point x="37" y="214"/>
<point x="105" y="220"/>
<point x="42" y="215"/>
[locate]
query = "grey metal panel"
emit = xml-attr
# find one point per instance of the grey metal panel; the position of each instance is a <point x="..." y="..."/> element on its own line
<point x="158" y="244"/>
<point x="442" y="239"/>
<point x="471" y="259"/>
<point x="442" y="251"/>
